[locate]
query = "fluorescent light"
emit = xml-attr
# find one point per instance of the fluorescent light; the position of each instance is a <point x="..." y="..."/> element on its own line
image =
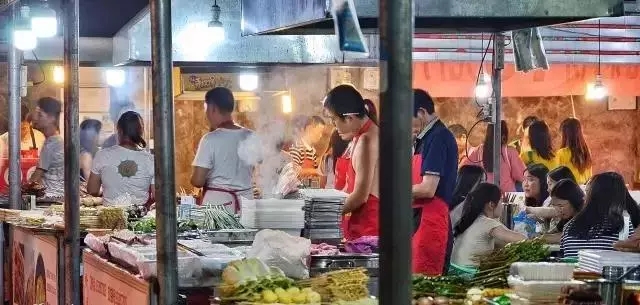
<point x="287" y="104"/>
<point x="115" y="77"/>
<point x="24" y="39"/>
<point x="58" y="74"/>
<point x="248" y="82"/>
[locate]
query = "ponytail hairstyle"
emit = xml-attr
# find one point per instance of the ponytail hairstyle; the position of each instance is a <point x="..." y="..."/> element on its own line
<point x="475" y="203"/>
<point x="130" y="129"/>
<point x="345" y="100"/>
<point x="372" y="113"/>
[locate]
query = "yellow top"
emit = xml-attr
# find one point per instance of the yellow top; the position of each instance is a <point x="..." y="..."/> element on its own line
<point x="531" y="157"/>
<point x="564" y="159"/>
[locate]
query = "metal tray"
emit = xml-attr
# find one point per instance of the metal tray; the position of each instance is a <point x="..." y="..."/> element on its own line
<point x="323" y="263"/>
<point x="237" y="235"/>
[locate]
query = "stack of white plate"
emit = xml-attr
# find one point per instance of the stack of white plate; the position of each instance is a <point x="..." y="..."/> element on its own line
<point x="595" y="260"/>
<point x="272" y="214"/>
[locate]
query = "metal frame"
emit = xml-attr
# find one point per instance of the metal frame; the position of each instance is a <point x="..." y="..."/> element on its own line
<point x="161" y="69"/>
<point x="396" y="106"/>
<point x="71" y="245"/>
<point x="496" y="82"/>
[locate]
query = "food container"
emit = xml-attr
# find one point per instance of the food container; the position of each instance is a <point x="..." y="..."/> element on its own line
<point x="232" y="236"/>
<point x="532" y="290"/>
<point x="542" y="271"/>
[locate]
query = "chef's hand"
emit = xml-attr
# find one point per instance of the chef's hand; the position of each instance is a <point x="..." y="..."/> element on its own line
<point x="631" y="244"/>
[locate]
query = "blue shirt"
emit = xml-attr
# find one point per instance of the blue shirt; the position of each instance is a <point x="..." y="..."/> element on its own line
<point x="439" y="157"/>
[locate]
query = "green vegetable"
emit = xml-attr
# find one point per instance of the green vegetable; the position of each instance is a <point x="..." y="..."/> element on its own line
<point x="447" y="286"/>
<point x="216" y="217"/>
<point x="147" y="225"/>
<point x="502" y="300"/>
<point x="189" y="225"/>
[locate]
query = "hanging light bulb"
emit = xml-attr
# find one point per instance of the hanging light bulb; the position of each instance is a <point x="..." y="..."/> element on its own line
<point x="43" y="21"/>
<point x="216" y="30"/>
<point x="596" y="91"/>
<point x="483" y="86"/>
<point x="23" y="37"/>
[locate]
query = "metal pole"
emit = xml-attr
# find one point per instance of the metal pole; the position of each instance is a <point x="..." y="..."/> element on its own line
<point x="15" y="62"/>
<point x="161" y="70"/>
<point x="496" y="82"/>
<point x="396" y="109"/>
<point x="71" y="15"/>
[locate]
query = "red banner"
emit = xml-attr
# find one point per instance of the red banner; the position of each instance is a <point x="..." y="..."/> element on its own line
<point x="457" y="79"/>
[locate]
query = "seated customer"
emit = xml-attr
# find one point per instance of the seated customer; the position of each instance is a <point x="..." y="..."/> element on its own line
<point x="469" y="176"/>
<point x="124" y="169"/>
<point x="567" y="199"/>
<point x="547" y="211"/>
<point x="609" y="215"/>
<point x="479" y="228"/>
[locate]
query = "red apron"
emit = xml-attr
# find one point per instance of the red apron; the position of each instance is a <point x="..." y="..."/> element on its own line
<point x="364" y="220"/>
<point x="340" y="172"/>
<point x="235" y="202"/>
<point x="431" y="229"/>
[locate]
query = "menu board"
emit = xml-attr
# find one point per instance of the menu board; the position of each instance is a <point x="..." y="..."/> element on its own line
<point x="106" y="283"/>
<point x="35" y="273"/>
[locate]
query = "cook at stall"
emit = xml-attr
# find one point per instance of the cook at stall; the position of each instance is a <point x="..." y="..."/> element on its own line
<point x="30" y="139"/>
<point x="89" y="135"/>
<point x="50" y="169"/>
<point x="349" y="114"/>
<point x="217" y="166"/>
<point x="124" y="171"/>
<point x="303" y="153"/>
<point x="434" y="171"/>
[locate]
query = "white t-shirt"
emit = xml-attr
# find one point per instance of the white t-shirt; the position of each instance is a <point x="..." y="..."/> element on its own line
<point x="218" y="152"/>
<point x="25" y="143"/>
<point x="124" y="171"/>
<point x="52" y="163"/>
<point x="474" y="241"/>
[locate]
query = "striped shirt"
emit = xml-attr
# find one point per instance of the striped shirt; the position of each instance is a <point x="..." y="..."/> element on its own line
<point x="571" y="245"/>
<point x="300" y="152"/>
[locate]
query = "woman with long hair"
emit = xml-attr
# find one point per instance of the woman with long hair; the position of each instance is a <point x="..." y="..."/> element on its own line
<point x="609" y="215"/>
<point x="567" y="199"/>
<point x="469" y="176"/>
<point x="553" y="177"/>
<point x="126" y="169"/>
<point x="89" y="137"/>
<point x="479" y="228"/>
<point x="511" y="166"/>
<point x="541" y="146"/>
<point x="535" y="185"/>
<point x="574" y="152"/>
<point x="349" y="114"/>
<point x="336" y="175"/>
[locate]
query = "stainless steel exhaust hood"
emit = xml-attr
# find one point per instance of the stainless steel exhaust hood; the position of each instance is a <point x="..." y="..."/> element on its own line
<point x="314" y="17"/>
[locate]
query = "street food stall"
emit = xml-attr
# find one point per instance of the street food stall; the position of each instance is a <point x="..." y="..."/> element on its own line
<point x="258" y="278"/>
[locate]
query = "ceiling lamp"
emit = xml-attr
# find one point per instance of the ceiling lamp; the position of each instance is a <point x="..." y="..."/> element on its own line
<point x="43" y="21"/>
<point x="115" y="77"/>
<point x="597" y="91"/>
<point x="248" y="82"/>
<point x="216" y="30"/>
<point x="23" y="37"/>
<point x="287" y="104"/>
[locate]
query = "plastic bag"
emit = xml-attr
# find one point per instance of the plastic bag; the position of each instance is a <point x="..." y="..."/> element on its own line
<point x="524" y="224"/>
<point x="284" y="251"/>
<point x="288" y="181"/>
<point x="347" y="27"/>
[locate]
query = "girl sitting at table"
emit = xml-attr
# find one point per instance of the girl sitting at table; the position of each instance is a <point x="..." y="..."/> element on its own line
<point x="535" y="186"/>
<point x="609" y="215"/>
<point x="480" y="229"/>
<point x="567" y="199"/>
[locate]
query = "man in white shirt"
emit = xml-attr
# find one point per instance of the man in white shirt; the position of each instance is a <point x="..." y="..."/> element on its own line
<point x="50" y="170"/>
<point x="217" y="167"/>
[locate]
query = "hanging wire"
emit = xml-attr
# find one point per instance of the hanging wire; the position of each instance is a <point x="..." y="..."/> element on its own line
<point x="599" y="27"/>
